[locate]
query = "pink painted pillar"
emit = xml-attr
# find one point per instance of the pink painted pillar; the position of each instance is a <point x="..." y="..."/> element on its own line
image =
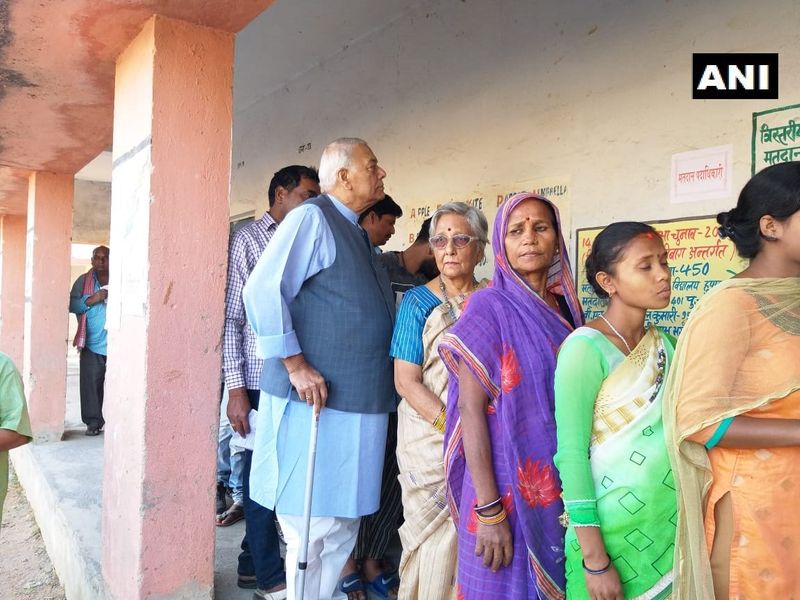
<point x="12" y="286"/>
<point x="47" y="273"/>
<point x="169" y="221"/>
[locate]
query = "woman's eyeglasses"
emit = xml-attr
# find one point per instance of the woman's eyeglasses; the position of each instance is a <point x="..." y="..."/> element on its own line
<point x="460" y="240"/>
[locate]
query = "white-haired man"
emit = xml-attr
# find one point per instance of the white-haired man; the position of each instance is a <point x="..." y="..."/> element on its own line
<point x="322" y="310"/>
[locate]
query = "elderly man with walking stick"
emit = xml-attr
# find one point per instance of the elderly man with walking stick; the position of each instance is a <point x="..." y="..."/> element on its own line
<point x="323" y="312"/>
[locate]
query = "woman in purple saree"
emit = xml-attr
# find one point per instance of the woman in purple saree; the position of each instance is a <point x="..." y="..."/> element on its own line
<point x="500" y="435"/>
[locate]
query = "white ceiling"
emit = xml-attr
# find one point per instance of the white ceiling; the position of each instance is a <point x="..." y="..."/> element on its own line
<point x="99" y="169"/>
<point x="285" y="41"/>
<point x="293" y="36"/>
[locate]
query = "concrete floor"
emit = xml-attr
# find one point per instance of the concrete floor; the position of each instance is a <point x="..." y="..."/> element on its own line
<point x="63" y="483"/>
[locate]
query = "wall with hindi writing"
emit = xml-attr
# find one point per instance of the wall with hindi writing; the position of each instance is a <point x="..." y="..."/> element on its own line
<point x="475" y="100"/>
<point x="776" y="136"/>
<point x="698" y="259"/>
<point x="415" y="213"/>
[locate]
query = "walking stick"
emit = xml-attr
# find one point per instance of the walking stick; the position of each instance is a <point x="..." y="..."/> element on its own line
<point x="302" y="555"/>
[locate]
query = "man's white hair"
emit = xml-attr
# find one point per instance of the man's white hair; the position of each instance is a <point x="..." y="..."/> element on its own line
<point x="336" y="156"/>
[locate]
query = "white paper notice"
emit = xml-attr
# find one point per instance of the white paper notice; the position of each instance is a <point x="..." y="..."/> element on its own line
<point x="704" y="174"/>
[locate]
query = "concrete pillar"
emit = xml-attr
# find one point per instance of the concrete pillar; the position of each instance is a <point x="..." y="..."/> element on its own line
<point x="169" y="219"/>
<point x="47" y="272"/>
<point x="12" y="286"/>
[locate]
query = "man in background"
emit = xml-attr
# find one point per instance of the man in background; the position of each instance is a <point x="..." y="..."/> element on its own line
<point x="413" y="266"/>
<point x="379" y="220"/>
<point x="87" y="301"/>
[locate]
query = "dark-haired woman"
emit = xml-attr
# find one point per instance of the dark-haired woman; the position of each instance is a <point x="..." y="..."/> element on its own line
<point x="612" y="458"/>
<point x="732" y="409"/>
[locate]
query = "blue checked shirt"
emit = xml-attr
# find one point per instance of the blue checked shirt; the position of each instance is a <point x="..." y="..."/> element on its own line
<point x="239" y="361"/>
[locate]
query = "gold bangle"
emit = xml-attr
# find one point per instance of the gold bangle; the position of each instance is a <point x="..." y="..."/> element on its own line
<point x="494" y="519"/>
<point x="439" y="422"/>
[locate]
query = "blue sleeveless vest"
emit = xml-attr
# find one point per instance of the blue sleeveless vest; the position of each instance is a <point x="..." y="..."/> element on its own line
<point x="343" y="318"/>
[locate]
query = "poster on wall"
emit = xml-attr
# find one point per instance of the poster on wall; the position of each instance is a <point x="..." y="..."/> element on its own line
<point x="776" y="137"/>
<point x="698" y="258"/>
<point x="704" y="174"/>
<point x="487" y="201"/>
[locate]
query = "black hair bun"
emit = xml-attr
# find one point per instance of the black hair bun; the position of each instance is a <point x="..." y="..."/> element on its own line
<point x="725" y="226"/>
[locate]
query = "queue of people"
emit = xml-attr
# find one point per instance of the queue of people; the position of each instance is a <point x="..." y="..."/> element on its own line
<point x="537" y="456"/>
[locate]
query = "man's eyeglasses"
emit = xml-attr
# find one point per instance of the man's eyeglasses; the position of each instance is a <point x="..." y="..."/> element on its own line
<point x="460" y="240"/>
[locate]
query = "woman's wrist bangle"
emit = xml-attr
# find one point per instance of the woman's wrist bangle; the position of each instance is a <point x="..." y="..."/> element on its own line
<point x="482" y="513"/>
<point x="491" y="504"/>
<point x="494" y="519"/>
<point x="597" y="571"/>
<point x="440" y="420"/>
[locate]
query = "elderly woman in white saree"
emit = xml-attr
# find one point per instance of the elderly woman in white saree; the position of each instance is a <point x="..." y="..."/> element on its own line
<point x="428" y="565"/>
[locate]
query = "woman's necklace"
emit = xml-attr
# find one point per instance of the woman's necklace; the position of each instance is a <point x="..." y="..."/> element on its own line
<point x="447" y="302"/>
<point x="619" y="335"/>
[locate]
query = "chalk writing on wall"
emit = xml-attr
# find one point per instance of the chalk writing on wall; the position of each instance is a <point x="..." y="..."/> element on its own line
<point x="698" y="258"/>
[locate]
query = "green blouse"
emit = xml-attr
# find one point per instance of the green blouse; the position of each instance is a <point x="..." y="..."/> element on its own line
<point x="13" y="415"/>
<point x="585" y="359"/>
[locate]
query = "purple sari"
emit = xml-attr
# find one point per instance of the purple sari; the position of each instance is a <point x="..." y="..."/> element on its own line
<point x="509" y="337"/>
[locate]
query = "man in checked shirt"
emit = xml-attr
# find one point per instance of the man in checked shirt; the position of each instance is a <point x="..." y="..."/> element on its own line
<point x="260" y="563"/>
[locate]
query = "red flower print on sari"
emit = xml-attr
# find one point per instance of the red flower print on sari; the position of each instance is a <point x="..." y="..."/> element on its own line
<point x="472" y="523"/>
<point x="490" y="409"/>
<point x="537" y="483"/>
<point x="510" y="375"/>
<point x="508" y="504"/>
<point x="459" y="592"/>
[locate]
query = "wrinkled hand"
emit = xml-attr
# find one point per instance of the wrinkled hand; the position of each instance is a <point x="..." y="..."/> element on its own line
<point x="239" y="410"/>
<point x="97" y="297"/>
<point x="495" y="544"/>
<point x="605" y="586"/>
<point x="308" y="382"/>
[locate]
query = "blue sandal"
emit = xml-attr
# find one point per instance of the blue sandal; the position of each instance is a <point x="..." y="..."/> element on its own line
<point x="352" y="584"/>
<point x="382" y="585"/>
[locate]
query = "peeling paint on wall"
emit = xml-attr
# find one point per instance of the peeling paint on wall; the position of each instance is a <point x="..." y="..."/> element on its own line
<point x="8" y="77"/>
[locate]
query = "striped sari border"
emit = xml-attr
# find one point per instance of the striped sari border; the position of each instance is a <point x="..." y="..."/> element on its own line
<point x="476" y="365"/>
<point x="544" y="582"/>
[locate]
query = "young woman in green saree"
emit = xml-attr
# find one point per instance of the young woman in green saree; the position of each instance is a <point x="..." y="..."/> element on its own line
<point x="617" y="482"/>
